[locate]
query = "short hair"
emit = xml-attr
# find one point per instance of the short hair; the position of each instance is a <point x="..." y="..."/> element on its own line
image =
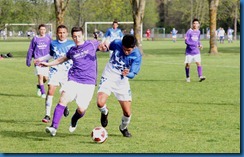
<point x="194" y="20"/>
<point x="129" y="41"/>
<point x="41" y="25"/>
<point x="115" y="21"/>
<point x="62" y="26"/>
<point x="76" y="29"/>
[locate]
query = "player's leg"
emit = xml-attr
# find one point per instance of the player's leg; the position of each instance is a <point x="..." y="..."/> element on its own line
<point x="84" y="95"/>
<point x="188" y="60"/>
<point x="103" y="93"/>
<point x="126" y="107"/>
<point x="199" y="71"/>
<point x="41" y="85"/>
<point x="49" y="102"/>
<point x="68" y="94"/>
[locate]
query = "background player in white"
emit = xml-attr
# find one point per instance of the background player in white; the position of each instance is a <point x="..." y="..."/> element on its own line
<point x="113" y="33"/>
<point x="123" y="65"/>
<point x="58" y="74"/>
<point x="39" y="47"/>
<point x="174" y="34"/>
<point x="221" y="35"/>
<point x="193" y="44"/>
<point x="230" y="35"/>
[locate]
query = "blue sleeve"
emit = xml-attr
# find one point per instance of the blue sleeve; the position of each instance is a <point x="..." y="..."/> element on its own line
<point x="107" y="33"/>
<point x="51" y="49"/>
<point x="135" y="66"/>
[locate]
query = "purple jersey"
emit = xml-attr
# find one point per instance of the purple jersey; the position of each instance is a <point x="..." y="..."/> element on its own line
<point x="84" y="69"/>
<point x="39" y="47"/>
<point x="192" y="40"/>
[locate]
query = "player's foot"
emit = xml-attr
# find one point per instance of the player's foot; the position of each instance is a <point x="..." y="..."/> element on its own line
<point x="71" y="128"/>
<point x="125" y="132"/>
<point x="104" y="120"/>
<point x="188" y="79"/>
<point x="66" y="112"/>
<point x="202" y="78"/>
<point x="46" y="119"/>
<point x="39" y="92"/>
<point x="44" y="96"/>
<point x="51" y="130"/>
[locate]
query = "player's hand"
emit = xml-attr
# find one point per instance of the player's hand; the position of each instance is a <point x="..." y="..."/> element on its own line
<point x="37" y="62"/>
<point x="43" y="64"/>
<point x="200" y="46"/>
<point x="125" y="72"/>
<point x="103" y="47"/>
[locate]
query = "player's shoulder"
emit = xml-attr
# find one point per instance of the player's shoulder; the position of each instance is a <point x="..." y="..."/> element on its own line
<point x="136" y="52"/>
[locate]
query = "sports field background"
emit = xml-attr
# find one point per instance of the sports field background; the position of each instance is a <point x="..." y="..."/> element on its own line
<point x="168" y="114"/>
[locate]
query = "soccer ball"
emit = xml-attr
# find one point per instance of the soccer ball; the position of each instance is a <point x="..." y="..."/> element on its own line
<point x="99" y="134"/>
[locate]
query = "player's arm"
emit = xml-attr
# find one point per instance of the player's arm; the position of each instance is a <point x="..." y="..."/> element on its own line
<point x="190" y="42"/>
<point x="134" y="69"/>
<point x="30" y="53"/>
<point x="55" y="62"/>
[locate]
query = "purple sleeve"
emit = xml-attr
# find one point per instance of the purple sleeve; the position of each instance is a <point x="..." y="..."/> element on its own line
<point x="199" y="43"/>
<point x="30" y="53"/>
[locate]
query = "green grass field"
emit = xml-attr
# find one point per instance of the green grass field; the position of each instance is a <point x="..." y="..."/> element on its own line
<point x="168" y="114"/>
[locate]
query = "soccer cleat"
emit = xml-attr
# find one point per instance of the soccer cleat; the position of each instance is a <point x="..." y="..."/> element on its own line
<point x="44" y="96"/>
<point x="202" y="78"/>
<point x="66" y="112"/>
<point x="104" y="120"/>
<point x="46" y="119"/>
<point x="125" y="132"/>
<point x="188" y="79"/>
<point x="39" y="92"/>
<point x="51" y="130"/>
<point x="72" y="129"/>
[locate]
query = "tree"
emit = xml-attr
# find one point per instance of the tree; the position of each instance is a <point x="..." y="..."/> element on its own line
<point x="138" y="7"/>
<point x="60" y="8"/>
<point x="213" y="7"/>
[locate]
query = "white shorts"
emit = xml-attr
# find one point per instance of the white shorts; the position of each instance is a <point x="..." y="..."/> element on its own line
<point x="82" y="93"/>
<point x="174" y="36"/>
<point x="120" y="88"/>
<point x="193" y="58"/>
<point x="41" y="70"/>
<point x="58" y="78"/>
<point x="230" y="37"/>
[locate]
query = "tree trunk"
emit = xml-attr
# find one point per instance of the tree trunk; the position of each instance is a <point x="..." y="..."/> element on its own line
<point x="60" y="8"/>
<point x="138" y="7"/>
<point x="213" y="7"/>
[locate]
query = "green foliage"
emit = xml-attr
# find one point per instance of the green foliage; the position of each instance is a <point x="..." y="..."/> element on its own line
<point x="168" y="114"/>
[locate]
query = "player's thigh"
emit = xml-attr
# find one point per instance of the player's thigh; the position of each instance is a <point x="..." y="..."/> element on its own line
<point x="188" y="59"/>
<point x="42" y="70"/>
<point x="105" y="86"/>
<point x="69" y="90"/>
<point x="122" y="90"/>
<point x="84" y="95"/>
<point x="197" y="58"/>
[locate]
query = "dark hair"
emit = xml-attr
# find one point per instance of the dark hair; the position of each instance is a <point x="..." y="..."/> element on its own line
<point x="115" y="21"/>
<point x="194" y="20"/>
<point x="61" y="26"/>
<point x="41" y="25"/>
<point x="129" y="41"/>
<point x="76" y="29"/>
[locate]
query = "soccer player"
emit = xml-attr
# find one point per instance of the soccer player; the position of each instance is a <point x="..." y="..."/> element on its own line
<point x="123" y="65"/>
<point x="58" y="74"/>
<point x="174" y="34"/>
<point x="193" y="44"/>
<point x="221" y="35"/>
<point x="148" y="34"/>
<point x="81" y="78"/>
<point x="39" y="47"/>
<point x="230" y="36"/>
<point x="113" y="33"/>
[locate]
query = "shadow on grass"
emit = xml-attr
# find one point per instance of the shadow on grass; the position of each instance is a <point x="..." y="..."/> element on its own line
<point x="17" y="95"/>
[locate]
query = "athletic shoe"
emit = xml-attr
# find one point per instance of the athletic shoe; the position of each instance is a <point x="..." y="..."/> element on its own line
<point x="72" y="129"/>
<point x="44" y="96"/>
<point x="202" y="78"/>
<point x="51" y="130"/>
<point x="46" y="119"/>
<point x="66" y="112"/>
<point x="125" y="132"/>
<point x="188" y="79"/>
<point x="104" y="120"/>
<point x="38" y="92"/>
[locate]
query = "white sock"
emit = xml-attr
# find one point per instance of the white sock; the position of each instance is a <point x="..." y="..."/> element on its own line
<point x="125" y="122"/>
<point x="49" y="103"/>
<point x="104" y="110"/>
